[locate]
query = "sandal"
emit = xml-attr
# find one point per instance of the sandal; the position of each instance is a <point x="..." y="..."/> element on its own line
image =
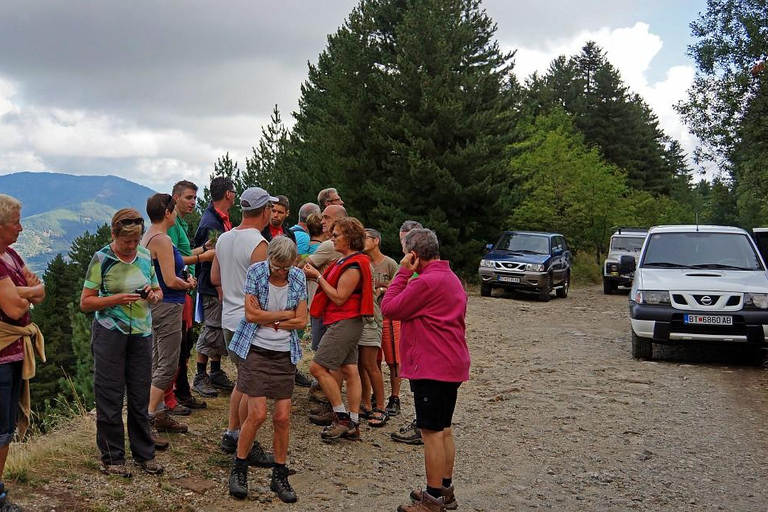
<point x="365" y="412"/>
<point x="378" y="418"/>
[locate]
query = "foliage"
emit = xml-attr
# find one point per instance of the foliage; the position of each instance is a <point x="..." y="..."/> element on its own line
<point x="225" y="167"/>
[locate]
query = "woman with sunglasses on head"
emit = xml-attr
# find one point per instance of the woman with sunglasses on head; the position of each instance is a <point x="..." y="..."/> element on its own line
<point x="344" y="296"/>
<point x="166" y="316"/>
<point x="120" y="285"/>
<point x="268" y="344"/>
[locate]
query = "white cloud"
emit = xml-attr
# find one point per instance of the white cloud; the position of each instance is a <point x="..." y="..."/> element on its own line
<point x="13" y="161"/>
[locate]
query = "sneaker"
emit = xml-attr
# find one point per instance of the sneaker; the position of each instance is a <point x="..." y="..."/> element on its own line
<point x="302" y="380"/>
<point x="409" y="434"/>
<point x="220" y="380"/>
<point x="115" y="470"/>
<point x="228" y="443"/>
<point x="281" y="486"/>
<point x="164" y="422"/>
<point x="238" y="481"/>
<point x="323" y="418"/>
<point x="393" y="406"/>
<point x="316" y="393"/>
<point x="192" y="402"/>
<point x="426" y="504"/>
<point x="161" y="443"/>
<point x="449" y="499"/>
<point x="340" y="426"/>
<point x="152" y="467"/>
<point x="258" y="457"/>
<point x="180" y="410"/>
<point x="202" y="385"/>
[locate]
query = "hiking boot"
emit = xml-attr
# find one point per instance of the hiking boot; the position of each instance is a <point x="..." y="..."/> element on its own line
<point x="393" y="406"/>
<point x="202" y="385"/>
<point x="164" y="422"/>
<point x="180" y="410"/>
<point x="152" y="467"/>
<point x="427" y="503"/>
<point x="192" y="402"/>
<point x="302" y="380"/>
<point x="161" y="443"/>
<point x="323" y="418"/>
<point x="238" y="481"/>
<point x="341" y="426"/>
<point x="220" y="380"/>
<point x="228" y="443"/>
<point x="281" y="486"/>
<point x="409" y="434"/>
<point x="115" y="470"/>
<point x="354" y="433"/>
<point x="449" y="499"/>
<point x="316" y="393"/>
<point x="5" y="505"/>
<point x="258" y="457"/>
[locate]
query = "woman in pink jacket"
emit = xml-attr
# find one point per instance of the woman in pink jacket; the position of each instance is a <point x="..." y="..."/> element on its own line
<point x="434" y="357"/>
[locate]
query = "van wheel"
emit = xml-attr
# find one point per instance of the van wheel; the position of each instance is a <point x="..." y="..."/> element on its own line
<point x="546" y="290"/>
<point x="642" y="348"/>
<point x="562" y="292"/>
<point x="607" y="286"/>
<point x="485" y="290"/>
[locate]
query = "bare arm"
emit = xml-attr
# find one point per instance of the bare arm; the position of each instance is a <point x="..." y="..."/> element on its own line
<point x="163" y="249"/>
<point x="255" y="315"/>
<point x="90" y="300"/>
<point x="11" y="302"/>
<point x="259" y="253"/>
<point x="347" y="284"/>
<point x="299" y="322"/>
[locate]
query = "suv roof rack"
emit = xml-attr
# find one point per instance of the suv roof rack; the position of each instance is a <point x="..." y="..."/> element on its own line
<point x="628" y="229"/>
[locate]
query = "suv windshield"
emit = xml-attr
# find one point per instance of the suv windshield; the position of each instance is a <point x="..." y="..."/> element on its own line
<point x="701" y="250"/>
<point x="515" y="242"/>
<point x="627" y="244"/>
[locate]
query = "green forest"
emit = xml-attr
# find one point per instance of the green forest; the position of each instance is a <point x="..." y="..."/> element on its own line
<point x="412" y="111"/>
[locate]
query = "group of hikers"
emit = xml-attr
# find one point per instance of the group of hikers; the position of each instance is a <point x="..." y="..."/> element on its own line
<point x="254" y="289"/>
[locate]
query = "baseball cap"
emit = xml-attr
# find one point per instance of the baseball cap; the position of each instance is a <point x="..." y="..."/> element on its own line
<point x="254" y="198"/>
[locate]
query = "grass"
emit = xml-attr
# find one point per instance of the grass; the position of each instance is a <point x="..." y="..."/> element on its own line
<point x="585" y="271"/>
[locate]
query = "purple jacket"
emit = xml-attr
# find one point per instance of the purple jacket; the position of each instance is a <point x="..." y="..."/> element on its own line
<point x="431" y="308"/>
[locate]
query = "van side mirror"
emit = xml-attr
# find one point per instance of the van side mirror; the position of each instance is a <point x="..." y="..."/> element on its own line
<point x="557" y="252"/>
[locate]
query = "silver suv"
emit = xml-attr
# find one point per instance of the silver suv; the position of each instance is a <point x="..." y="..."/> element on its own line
<point x="698" y="284"/>
<point x="624" y="242"/>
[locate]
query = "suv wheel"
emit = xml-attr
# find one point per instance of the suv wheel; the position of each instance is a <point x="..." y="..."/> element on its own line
<point x="546" y="290"/>
<point x="607" y="286"/>
<point x="562" y="292"/>
<point x="485" y="290"/>
<point x="642" y="348"/>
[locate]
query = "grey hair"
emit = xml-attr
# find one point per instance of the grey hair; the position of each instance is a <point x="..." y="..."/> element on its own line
<point x="281" y="249"/>
<point x="8" y="206"/>
<point x="373" y="234"/>
<point x="322" y="197"/>
<point x="423" y="242"/>
<point x="410" y="225"/>
<point x="306" y="210"/>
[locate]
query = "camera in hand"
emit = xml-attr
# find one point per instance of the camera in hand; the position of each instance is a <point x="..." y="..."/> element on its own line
<point x="185" y="273"/>
<point x="141" y="291"/>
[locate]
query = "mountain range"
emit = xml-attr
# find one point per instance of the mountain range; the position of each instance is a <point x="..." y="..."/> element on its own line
<point x="57" y="208"/>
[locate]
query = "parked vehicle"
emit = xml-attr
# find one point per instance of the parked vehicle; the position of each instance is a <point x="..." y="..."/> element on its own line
<point x="698" y="284"/>
<point x="527" y="260"/>
<point x="624" y="242"/>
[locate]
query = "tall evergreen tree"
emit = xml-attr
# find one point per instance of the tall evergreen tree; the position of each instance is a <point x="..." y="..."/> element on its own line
<point x="226" y="167"/>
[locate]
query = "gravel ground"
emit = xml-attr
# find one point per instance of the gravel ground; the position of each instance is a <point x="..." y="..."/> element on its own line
<point x="557" y="415"/>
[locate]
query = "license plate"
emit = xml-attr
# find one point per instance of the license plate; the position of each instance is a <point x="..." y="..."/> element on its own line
<point x="505" y="279"/>
<point x="708" y="319"/>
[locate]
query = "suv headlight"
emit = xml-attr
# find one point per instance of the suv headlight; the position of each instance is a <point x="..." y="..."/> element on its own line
<point x="652" y="297"/>
<point x="759" y="300"/>
<point x="532" y="267"/>
<point x="486" y="263"/>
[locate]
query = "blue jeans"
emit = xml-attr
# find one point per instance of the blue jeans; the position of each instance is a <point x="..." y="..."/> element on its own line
<point x="10" y="392"/>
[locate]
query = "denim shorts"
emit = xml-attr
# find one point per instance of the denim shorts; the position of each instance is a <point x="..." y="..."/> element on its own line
<point x="10" y="392"/>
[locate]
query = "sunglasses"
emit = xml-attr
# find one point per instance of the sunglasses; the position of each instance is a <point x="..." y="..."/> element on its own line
<point x="130" y="222"/>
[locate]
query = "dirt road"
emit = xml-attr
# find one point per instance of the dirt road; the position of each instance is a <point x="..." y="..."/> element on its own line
<point x="557" y="416"/>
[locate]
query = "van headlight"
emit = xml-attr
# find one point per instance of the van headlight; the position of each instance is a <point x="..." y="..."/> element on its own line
<point x="486" y="263"/>
<point x="532" y="267"/>
<point x="652" y="297"/>
<point x="759" y="300"/>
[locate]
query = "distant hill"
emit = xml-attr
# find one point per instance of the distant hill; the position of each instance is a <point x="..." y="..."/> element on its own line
<point x="57" y="208"/>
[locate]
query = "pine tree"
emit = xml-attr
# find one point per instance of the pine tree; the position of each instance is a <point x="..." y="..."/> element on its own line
<point x="227" y="167"/>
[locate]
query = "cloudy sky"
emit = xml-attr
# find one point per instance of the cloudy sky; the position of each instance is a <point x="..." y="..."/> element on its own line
<point x="156" y="91"/>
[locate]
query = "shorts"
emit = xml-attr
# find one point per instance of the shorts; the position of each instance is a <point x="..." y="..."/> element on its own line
<point x="266" y="373"/>
<point x="435" y="402"/>
<point x="236" y="359"/>
<point x="338" y="346"/>
<point x="371" y="336"/>
<point x="10" y="393"/>
<point x="210" y="343"/>
<point x="390" y="342"/>
<point x="166" y="342"/>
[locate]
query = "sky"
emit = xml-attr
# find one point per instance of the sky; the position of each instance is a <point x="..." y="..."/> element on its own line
<point x="155" y="92"/>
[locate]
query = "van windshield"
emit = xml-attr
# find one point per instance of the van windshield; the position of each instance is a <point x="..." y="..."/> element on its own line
<point x="531" y="244"/>
<point x="728" y="251"/>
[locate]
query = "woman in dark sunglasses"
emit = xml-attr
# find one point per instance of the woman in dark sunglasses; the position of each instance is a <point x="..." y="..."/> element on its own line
<point x="120" y="284"/>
